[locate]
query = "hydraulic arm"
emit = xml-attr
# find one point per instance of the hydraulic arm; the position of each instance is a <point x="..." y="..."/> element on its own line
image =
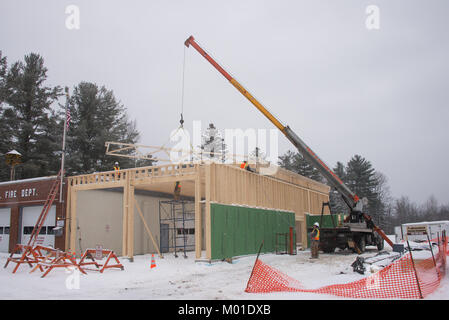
<point x="351" y="199"/>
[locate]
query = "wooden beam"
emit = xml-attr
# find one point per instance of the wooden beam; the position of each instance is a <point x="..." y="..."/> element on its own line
<point x="207" y="229"/>
<point x="147" y="228"/>
<point x="73" y="224"/>
<point x="67" y="217"/>
<point x="131" y="221"/>
<point x="198" y="217"/>
<point x="125" y="220"/>
<point x="101" y="185"/>
<point x="164" y="179"/>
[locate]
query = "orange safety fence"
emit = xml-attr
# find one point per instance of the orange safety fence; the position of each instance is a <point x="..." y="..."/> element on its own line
<point x="406" y="278"/>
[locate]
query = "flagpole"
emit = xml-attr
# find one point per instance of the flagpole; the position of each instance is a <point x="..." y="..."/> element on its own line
<point x="63" y="144"/>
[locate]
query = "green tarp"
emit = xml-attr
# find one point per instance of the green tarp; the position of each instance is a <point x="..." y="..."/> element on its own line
<point x="237" y="231"/>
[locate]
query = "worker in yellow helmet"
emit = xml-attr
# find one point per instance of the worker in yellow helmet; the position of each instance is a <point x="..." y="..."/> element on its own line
<point x="315" y="240"/>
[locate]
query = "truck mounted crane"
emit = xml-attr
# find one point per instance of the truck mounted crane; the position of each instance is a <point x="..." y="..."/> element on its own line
<point x="359" y="228"/>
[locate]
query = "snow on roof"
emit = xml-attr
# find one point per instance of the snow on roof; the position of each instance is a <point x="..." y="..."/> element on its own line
<point x="14" y="152"/>
<point x="27" y="180"/>
<point x="426" y="222"/>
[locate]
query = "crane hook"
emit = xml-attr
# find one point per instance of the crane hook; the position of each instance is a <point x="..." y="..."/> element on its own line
<point x="181" y="121"/>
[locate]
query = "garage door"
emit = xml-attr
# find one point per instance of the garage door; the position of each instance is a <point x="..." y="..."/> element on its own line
<point x="5" y="216"/>
<point x="30" y="215"/>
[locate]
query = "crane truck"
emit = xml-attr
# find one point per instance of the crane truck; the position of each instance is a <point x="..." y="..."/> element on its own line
<point x="358" y="229"/>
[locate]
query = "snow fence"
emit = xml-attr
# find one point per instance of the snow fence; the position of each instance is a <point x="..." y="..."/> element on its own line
<point x="406" y="278"/>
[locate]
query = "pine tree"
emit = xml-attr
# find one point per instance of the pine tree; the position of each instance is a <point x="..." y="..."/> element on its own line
<point x="96" y="117"/>
<point x="364" y="181"/>
<point x="28" y="116"/>
<point x="3" y="72"/>
<point x="212" y="145"/>
<point x="295" y="162"/>
<point x="338" y="205"/>
<point x="5" y="134"/>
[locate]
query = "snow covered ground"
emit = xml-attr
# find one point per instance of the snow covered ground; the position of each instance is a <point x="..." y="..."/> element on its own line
<point x="185" y="279"/>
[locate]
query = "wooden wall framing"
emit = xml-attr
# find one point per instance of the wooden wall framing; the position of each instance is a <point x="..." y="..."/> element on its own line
<point x="209" y="182"/>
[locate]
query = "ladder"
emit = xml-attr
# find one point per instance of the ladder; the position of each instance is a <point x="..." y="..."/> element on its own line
<point x="48" y="203"/>
<point x="28" y="253"/>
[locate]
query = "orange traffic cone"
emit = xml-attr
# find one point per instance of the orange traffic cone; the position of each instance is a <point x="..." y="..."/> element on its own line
<point x="153" y="262"/>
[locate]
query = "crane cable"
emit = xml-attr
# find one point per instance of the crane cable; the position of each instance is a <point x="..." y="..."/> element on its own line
<point x="182" y="90"/>
<point x="181" y="121"/>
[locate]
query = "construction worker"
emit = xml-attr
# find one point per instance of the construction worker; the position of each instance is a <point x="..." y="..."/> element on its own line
<point x="245" y="166"/>
<point x="177" y="191"/>
<point x="116" y="169"/>
<point x="315" y="240"/>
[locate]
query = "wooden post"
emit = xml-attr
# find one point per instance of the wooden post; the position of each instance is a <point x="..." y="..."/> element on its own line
<point x="125" y="220"/>
<point x="73" y="224"/>
<point x="198" y="216"/>
<point x="67" y="220"/>
<point x="208" y="218"/>
<point x="130" y="221"/>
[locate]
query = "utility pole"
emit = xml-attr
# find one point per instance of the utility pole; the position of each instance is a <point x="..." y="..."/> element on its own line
<point x="63" y="144"/>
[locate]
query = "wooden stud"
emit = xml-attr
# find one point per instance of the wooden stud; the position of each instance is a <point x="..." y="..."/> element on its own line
<point x="198" y="217"/>
<point x="73" y="222"/>
<point x="125" y="220"/>
<point x="67" y="220"/>
<point x="130" y="241"/>
<point x="207" y="229"/>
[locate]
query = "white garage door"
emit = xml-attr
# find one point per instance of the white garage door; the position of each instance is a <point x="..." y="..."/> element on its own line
<point x="30" y="215"/>
<point x="5" y="219"/>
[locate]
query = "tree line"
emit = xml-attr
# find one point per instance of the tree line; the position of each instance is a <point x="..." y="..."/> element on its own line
<point x="362" y="178"/>
<point x="32" y="116"/>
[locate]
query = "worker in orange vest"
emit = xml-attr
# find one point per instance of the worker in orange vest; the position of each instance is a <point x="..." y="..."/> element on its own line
<point x="116" y="170"/>
<point x="315" y="240"/>
<point x="245" y="166"/>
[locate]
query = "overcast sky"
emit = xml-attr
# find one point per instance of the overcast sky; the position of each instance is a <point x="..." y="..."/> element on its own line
<point x="344" y="88"/>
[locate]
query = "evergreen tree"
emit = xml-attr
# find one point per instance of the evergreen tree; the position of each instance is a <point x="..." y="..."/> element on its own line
<point x="3" y="71"/>
<point x="212" y="145"/>
<point x="27" y="116"/>
<point x="340" y="170"/>
<point x="337" y="204"/>
<point x="97" y="117"/>
<point x="5" y="134"/>
<point x="361" y="179"/>
<point x="295" y="162"/>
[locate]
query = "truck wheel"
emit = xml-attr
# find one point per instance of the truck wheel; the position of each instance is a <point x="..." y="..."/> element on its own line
<point x="361" y="244"/>
<point x="380" y="244"/>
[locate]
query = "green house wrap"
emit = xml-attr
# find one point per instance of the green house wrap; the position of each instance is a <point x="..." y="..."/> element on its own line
<point x="240" y="230"/>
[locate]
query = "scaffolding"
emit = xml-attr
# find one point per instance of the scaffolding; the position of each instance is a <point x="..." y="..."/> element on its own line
<point x="286" y="242"/>
<point x="177" y="226"/>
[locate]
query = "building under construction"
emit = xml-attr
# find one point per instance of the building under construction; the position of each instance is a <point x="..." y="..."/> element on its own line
<point x="223" y="211"/>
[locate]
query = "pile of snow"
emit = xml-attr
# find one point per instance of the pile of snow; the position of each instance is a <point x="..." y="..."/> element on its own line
<point x="184" y="279"/>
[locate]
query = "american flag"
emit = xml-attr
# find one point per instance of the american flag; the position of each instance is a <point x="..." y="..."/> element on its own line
<point x="67" y="114"/>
